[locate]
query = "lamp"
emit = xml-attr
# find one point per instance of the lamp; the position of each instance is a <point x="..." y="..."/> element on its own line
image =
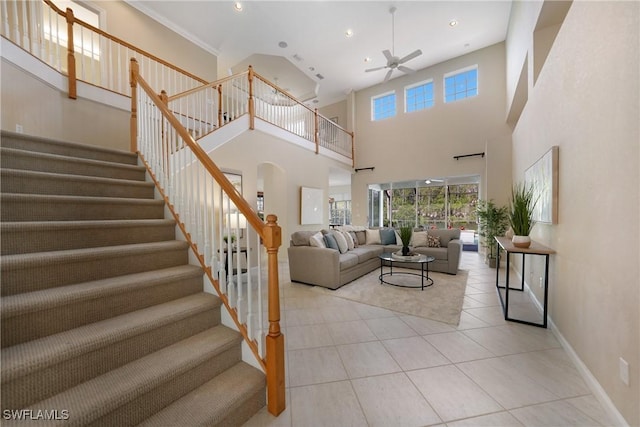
<point x="237" y="222"/>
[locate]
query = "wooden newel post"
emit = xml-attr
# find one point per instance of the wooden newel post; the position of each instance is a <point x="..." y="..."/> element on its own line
<point x="71" y="57"/>
<point x="133" y="82"/>
<point x="275" y="339"/>
<point x="252" y="111"/>
<point x="316" y="134"/>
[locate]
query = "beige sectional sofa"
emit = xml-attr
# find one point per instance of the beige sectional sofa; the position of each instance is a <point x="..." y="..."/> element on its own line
<point x="331" y="267"/>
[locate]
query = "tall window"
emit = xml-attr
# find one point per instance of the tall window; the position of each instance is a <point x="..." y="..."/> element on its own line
<point x="461" y="84"/>
<point x="383" y="106"/>
<point x="418" y="97"/>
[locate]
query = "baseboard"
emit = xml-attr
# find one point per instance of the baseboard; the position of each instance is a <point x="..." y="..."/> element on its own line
<point x="598" y="392"/>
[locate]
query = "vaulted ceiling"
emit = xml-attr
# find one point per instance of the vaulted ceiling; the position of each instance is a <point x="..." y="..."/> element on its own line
<point x="304" y="44"/>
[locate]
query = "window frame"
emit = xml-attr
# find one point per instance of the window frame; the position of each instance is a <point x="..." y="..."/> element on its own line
<point x="383" y="95"/>
<point x="455" y="73"/>
<point x="415" y="85"/>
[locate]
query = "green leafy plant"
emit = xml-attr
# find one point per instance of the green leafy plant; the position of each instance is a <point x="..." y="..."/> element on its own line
<point x="405" y="235"/>
<point x="226" y="238"/>
<point x="493" y="221"/>
<point x="523" y="202"/>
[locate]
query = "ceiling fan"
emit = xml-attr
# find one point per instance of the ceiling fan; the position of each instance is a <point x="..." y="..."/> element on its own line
<point x="395" y="62"/>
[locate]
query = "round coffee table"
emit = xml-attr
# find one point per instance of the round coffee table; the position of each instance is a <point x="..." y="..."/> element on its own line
<point x="423" y="260"/>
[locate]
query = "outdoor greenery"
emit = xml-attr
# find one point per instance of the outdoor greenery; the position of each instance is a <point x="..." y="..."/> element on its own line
<point x="523" y="202"/>
<point x="426" y="206"/>
<point x="493" y="221"/>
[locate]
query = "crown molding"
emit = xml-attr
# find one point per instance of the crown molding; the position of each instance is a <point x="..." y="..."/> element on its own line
<point x="139" y="6"/>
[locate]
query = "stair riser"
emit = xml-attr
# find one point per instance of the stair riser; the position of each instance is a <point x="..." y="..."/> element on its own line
<point x="137" y="410"/>
<point x="33" y="325"/>
<point x="72" y="186"/>
<point x="69" y="149"/>
<point x="74" y="210"/>
<point x="40" y="384"/>
<point x="83" y="269"/>
<point x="24" y="160"/>
<point x="245" y="410"/>
<point x="37" y="239"/>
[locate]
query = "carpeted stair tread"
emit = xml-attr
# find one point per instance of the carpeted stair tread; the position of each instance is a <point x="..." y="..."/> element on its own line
<point x="12" y="158"/>
<point x="64" y="148"/>
<point x="41" y="236"/>
<point x="37" y="207"/>
<point x="33" y="315"/>
<point x="30" y="272"/>
<point x="214" y="402"/>
<point x="35" y="182"/>
<point x="96" y="398"/>
<point x="20" y="359"/>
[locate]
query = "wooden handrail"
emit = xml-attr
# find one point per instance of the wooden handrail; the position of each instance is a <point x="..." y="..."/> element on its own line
<point x="124" y="43"/>
<point x="271" y="234"/>
<point x="212" y="85"/>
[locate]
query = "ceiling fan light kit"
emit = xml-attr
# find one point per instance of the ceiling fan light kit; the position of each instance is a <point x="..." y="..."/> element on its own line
<point x="394" y="62"/>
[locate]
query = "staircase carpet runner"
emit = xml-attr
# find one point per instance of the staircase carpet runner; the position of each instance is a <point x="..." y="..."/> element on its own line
<point x="104" y="322"/>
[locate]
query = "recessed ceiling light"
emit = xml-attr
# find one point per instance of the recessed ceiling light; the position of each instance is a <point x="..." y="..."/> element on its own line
<point x="283" y="44"/>
<point x="348" y="33"/>
<point x="367" y="59"/>
<point x="453" y="23"/>
<point x="237" y="6"/>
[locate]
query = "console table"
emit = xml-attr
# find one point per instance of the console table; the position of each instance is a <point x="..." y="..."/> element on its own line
<point x="505" y="245"/>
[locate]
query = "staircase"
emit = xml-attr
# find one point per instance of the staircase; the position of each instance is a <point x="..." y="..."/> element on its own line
<point x="104" y="322"/>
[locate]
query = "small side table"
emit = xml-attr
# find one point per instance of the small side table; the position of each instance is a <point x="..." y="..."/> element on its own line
<point x="535" y="249"/>
<point x="242" y="250"/>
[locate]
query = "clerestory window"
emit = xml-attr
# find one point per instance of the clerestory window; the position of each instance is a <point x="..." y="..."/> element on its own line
<point x="383" y="106"/>
<point x="461" y="84"/>
<point x="418" y="96"/>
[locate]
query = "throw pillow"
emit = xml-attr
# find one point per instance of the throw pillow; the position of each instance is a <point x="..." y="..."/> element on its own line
<point x="317" y="240"/>
<point x="301" y="238"/>
<point x="362" y="237"/>
<point x="387" y="236"/>
<point x="419" y="238"/>
<point x="349" y="239"/>
<point x="343" y="247"/>
<point x="354" y="237"/>
<point x="373" y="237"/>
<point x="331" y="242"/>
<point x="434" y="241"/>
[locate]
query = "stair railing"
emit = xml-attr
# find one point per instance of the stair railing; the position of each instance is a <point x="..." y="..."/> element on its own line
<point x="212" y="214"/>
<point x="84" y="52"/>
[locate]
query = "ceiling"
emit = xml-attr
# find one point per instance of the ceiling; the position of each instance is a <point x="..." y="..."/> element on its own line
<point x="314" y="33"/>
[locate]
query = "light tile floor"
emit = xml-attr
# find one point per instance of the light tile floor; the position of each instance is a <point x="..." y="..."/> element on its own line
<point x="350" y="364"/>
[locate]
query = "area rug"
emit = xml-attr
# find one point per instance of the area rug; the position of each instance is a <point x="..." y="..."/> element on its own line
<point x="441" y="302"/>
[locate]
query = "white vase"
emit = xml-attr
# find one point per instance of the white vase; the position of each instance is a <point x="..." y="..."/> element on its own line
<point x="521" y="241"/>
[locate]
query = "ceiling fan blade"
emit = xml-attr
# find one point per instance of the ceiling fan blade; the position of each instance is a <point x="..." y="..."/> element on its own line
<point x="406" y="69"/>
<point x="409" y="57"/>
<point x="387" y="54"/>
<point x="388" y="76"/>
<point x="374" y="69"/>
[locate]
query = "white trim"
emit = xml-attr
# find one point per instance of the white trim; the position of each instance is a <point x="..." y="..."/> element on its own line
<point x="598" y="392"/>
<point x="178" y="30"/>
<point x="460" y="70"/>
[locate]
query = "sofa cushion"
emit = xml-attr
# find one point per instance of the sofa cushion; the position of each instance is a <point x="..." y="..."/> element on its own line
<point x="343" y="247"/>
<point x="367" y="252"/>
<point x="433" y="241"/>
<point x="348" y="260"/>
<point x="373" y="236"/>
<point x="437" y="253"/>
<point x="445" y="235"/>
<point x="387" y="236"/>
<point x="331" y="242"/>
<point x="301" y="238"/>
<point x="317" y="240"/>
<point x="349" y="239"/>
<point x="362" y="237"/>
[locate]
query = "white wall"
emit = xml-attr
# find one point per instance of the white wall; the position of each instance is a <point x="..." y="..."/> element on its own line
<point x="422" y="144"/>
<point x="586" y="100"/>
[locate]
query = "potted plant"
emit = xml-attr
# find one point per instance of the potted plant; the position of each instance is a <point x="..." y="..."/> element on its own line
<point x="523" y="202"/>
<point x="493" y="222"/>
<point x="405" y="235"/>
